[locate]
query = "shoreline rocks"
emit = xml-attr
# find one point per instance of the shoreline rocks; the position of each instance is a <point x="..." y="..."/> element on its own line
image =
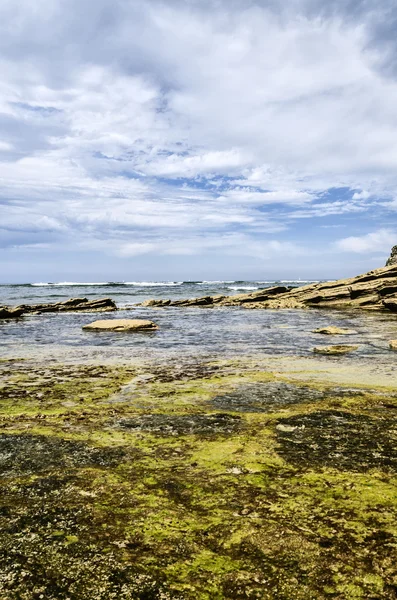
<point x="375" y="290"/>
<point x="10" y="313"/>
<point x="334" y="331"/>
<point x="73" y="304"/>
<point x="334" y="350"/>
<point x="121" y="325"/>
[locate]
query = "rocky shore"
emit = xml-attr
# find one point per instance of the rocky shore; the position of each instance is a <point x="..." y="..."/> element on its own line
<point x="74" y="304"/>
<point x="375" y="290"/>
<point x="261" y="478"/>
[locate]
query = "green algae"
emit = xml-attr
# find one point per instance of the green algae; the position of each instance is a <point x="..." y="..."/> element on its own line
<point x="89" y="509"/>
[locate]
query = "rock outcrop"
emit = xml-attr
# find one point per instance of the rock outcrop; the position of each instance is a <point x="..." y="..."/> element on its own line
<point x="392" y="260"/>
<point x="121" y="325"/>
<point x="375" y="290"/>
<point x="10" y="313"/>
<point x="74" y="304"/>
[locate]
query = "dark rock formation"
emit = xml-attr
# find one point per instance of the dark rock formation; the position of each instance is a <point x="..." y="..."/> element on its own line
<point x="375" y="290"/>
<point x="10" y="313"/>
<point x="392" y="260"/>
<point x="101" y="305"/>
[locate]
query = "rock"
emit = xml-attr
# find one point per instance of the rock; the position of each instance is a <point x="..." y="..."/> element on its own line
<point x="156" y="303"/>
<point x="390" y="303"/>
<point x="334" y="350"/>
<point x="333" y="331"/>
<point x="393" y="344"/>
<point x="375" y="290"/>
<point x="392" y="260"/>
<point x="73" y="304"/>
<point x="10" y="313"/>
<point x="127" y="325"/>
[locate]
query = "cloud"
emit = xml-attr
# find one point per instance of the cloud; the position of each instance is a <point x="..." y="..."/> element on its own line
<point x="376" y="241"/>
<point x="194" y="126"/>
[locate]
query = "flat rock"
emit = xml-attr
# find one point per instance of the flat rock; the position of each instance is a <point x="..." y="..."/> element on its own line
<point x="334" y="331"/>
<point x="375" y="290"/>
<point x="121" y="325"/>
<point x="71" y="305"/>
<point x="334" y="350"/>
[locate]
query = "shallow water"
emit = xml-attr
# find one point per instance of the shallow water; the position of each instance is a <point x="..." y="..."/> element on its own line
<point x="196" y="333"/>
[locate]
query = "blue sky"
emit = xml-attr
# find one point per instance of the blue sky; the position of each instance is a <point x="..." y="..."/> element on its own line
<point x="186" y="139"/>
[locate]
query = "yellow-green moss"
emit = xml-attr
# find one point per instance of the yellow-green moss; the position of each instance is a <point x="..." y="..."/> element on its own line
<point x="216" y="515"/>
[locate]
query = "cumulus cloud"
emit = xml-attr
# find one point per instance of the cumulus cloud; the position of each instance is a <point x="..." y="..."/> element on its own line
<point x="376" y="241"/>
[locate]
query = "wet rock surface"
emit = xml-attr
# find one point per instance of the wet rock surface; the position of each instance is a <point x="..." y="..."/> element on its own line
<point x="331" y="330"/>
<point x="336" y="350"/>
<point x="338" y="439"/>
<point x="185" y="503"/>
<point x="32" y="454"/>
<point x="266" y="397"/>
<point x="184" y="371"/>
<point x="173" y="425"/>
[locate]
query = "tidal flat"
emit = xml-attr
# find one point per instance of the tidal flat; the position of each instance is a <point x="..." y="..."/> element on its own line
<point x="261" y="477"/>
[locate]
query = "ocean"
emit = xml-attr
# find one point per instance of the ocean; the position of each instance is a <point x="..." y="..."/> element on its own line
<point x="184" y="333"/>
<point x="128" y="293"/>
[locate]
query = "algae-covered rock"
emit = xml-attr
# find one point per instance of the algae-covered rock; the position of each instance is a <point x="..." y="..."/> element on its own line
<point x="338" y="439"/>
<point x="121" y="325"/>
<point x="330" y="330"/>
<point x="201" y="424"/>
<point x="334" y="350"/>
<point x="266" y="397"/>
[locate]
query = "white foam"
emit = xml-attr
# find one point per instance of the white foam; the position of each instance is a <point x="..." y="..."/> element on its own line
<point x="242" y="287"/>
<point x="298" y="281"/>
<point x="153" y="283"/>
<point x="213" y="282"/>
<point x="69" y="283"/>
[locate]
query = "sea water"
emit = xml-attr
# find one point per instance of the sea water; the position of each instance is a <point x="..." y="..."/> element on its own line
<point x="184" y="333"/>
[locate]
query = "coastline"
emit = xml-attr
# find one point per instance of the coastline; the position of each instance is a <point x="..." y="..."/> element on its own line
<point x="216" y="457"/>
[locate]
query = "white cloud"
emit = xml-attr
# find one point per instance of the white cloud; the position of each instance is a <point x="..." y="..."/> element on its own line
<point x="190" y="123"/>
<point x="376" y="241"/>
<point x="362" y="195"/>
<point x="247" y="196"/>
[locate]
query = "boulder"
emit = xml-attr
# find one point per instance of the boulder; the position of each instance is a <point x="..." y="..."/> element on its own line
<point x="333" y="331"/>
<point x="393" y="344"/>
<point x="10" y="313"/>
<point x="121" y="325"/>
<point x="334" y="350"/>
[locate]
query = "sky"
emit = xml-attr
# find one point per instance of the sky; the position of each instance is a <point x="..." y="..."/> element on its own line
<point x="196" y="139"/>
